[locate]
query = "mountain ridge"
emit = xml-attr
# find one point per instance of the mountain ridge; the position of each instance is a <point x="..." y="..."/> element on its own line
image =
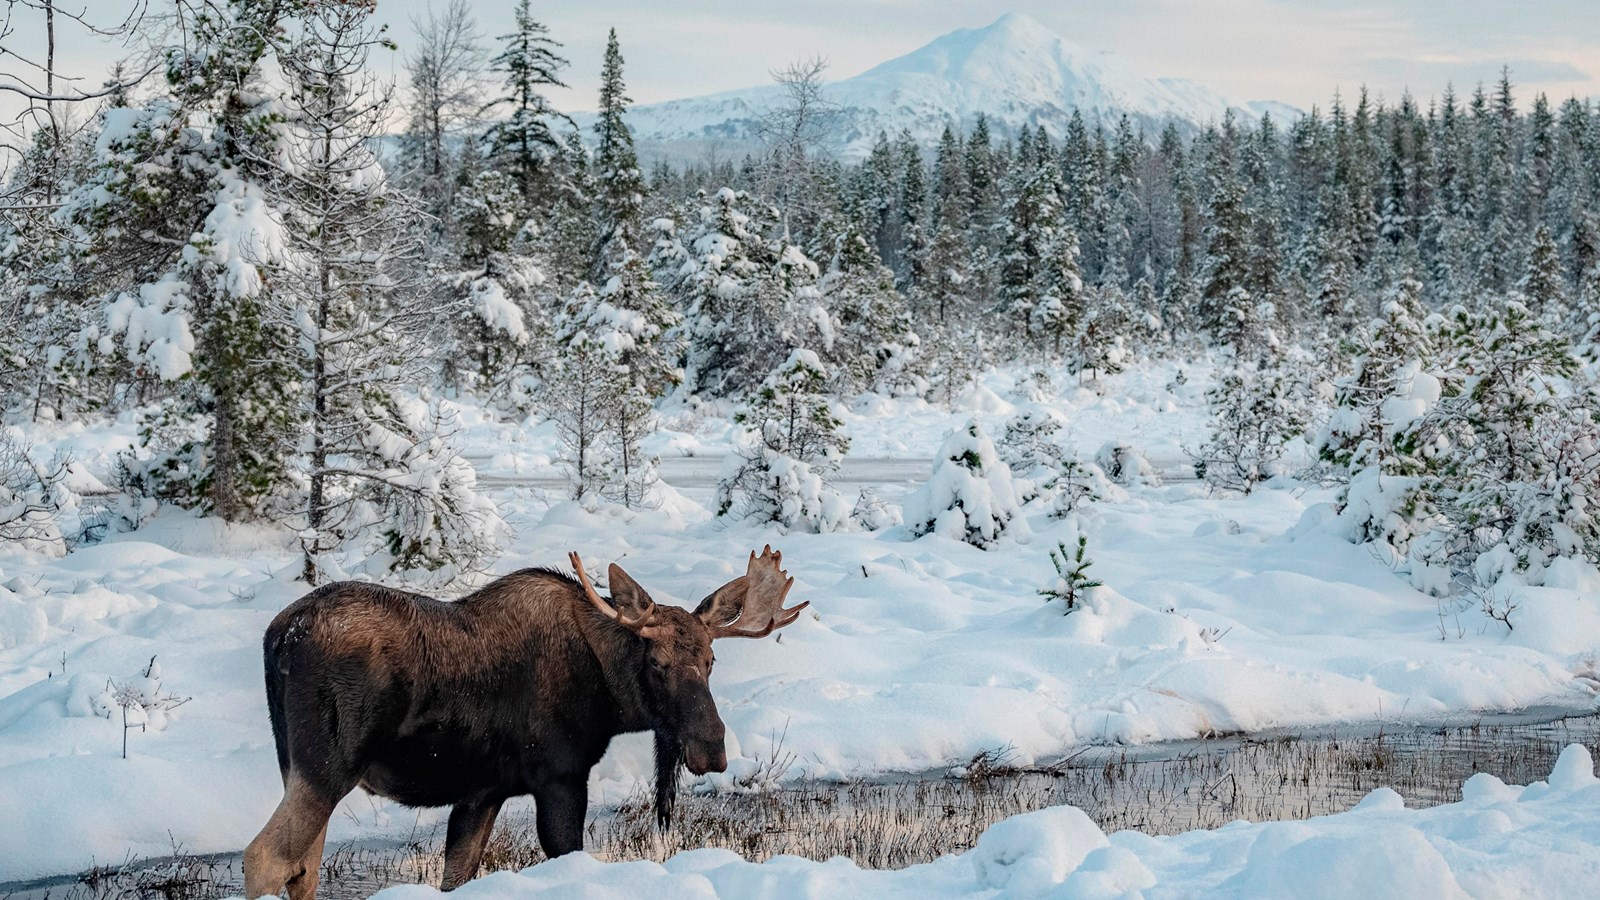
<point x="1015" y="71"/>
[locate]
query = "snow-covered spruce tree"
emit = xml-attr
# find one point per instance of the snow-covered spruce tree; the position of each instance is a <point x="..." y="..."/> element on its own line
<point x="737" y="288"/>
<point x="1255" y="411"/>
<point x="869" y="341"/>
<point x="1367" y="440"/>
<point x="1072" y="582"/>
<point x="970" y="496"/>
<point x="378" y="468"/>
<point x="498" y="329"/>
<point x="1510" y="455"/>
<point x="637" y="318"/>
<point x="1029" y="442"/>
<point x="500" y="303"/>
<point x="1033" y="256"/>
<point x="579" y="395"/>
<point x="619" y="185"/>
<point x="1061" y="313"/>
<point x="953" y="357"/>
<point x="1099" y="346"/>
<point x="779" y="471"/>
<point x="1226" y="276"/>
<point x="174" y="229"/>
<point x="1355" y="436"/>
<point x="600" y="392"/>
<point x="46" y="296"/>
<point x="1543" y="285"/>
<point x="524" y="142"/>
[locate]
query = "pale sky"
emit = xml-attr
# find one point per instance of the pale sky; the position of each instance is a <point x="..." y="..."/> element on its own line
<point x="1295" y="51"/>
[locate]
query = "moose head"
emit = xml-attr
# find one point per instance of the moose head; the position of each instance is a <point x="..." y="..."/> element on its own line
<point x="675" y="668"/>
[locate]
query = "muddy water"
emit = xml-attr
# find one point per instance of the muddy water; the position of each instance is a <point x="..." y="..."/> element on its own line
<point x="899" y="821"/>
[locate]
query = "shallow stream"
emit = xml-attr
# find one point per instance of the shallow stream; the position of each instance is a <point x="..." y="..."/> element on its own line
<point x="907" y="819"/>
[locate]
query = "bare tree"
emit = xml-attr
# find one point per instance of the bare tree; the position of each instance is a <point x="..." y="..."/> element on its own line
<point x="28" y="74"/>
<point x="791" y="130"/>
<point x="446" y="70"/>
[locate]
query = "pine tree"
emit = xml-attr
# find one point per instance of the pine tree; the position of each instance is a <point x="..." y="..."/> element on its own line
<point x="912" y="204"/>
<point x="1542" y="285"/>
<point x="619" y="185"/>
<point x="1255" y="411"/>
<point x="779" y="473"/>
<point x="1510" y="461"/>
<point x="379" y="467"/>
<point x="524" y="139"/>
<point x="581" y="398"/>
<point x="970" y="496"/>
<point x="1224" y="288"/>
<point x="870" y="341"/>
<point x="737" y="287"/>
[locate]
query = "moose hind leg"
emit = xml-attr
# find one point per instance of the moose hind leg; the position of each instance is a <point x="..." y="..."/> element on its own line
<point x="277" y="857"/>
<point x="559" y="807"/>
<point x="470" y="826"/>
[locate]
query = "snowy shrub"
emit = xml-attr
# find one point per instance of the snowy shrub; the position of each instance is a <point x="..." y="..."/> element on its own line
<point x="778" y="471"/>
<point x="601" y="410"/>
<point x="953" y="358"/>
<point x="970" y="496"/>
<point x="1074" y="484"/>
<point x="1036" y="387"/>
<point x="1510" y="457"/>
<point x="498" y="330"/>
<point x="31" y="496"/>
<point x="1125" y="464"/>
<point x="144" y="704"/>
<point x="403" y="500"/>
<point x="1029" y="442"/>
<point x="1072" y="580"/>
<point x="1254" y="413"/>
<point x="140" y="701"/>
<point x="871" y="513"/>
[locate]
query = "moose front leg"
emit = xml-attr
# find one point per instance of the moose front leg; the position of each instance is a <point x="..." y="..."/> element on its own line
<point x="559" y="808"/>
<point x="464" y="839"/>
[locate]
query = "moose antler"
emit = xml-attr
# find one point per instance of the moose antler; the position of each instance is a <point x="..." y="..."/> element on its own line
<point x="636" y="624"/>
<point x="766" y="586"/>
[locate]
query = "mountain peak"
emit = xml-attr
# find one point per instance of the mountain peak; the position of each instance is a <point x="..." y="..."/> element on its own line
<point x="1015" y="70"/>
<point x="1017" y="23"/>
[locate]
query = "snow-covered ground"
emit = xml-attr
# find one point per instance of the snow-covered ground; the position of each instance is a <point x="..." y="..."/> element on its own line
<point x="1220" y="614"/>
<point x="1542" y="840"/>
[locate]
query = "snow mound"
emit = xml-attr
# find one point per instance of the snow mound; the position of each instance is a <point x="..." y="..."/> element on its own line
<point x="1494" y="843"/>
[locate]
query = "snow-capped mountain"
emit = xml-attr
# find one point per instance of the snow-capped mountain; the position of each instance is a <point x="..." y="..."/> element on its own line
<point x="1016" y="71"/>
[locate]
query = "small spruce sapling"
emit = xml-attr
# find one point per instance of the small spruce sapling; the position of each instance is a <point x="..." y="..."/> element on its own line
<point x="1072" y="580"/>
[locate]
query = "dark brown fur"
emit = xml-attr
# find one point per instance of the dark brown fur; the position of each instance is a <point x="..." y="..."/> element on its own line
<point x="515" y="689"/>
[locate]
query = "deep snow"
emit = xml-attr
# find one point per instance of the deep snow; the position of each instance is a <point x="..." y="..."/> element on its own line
<point x="1219" y="614"/>
<point x="1542" y="840"/>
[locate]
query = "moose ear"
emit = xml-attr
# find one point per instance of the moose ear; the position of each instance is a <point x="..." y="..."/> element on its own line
<point x="627" y="595"/>
<point x="724" y="604"/>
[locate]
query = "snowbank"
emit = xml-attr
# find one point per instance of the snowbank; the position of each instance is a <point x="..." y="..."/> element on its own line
<point x="1542" y="840"/>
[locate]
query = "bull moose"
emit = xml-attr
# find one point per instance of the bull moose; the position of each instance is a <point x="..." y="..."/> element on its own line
<point x="514" y="689"/>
